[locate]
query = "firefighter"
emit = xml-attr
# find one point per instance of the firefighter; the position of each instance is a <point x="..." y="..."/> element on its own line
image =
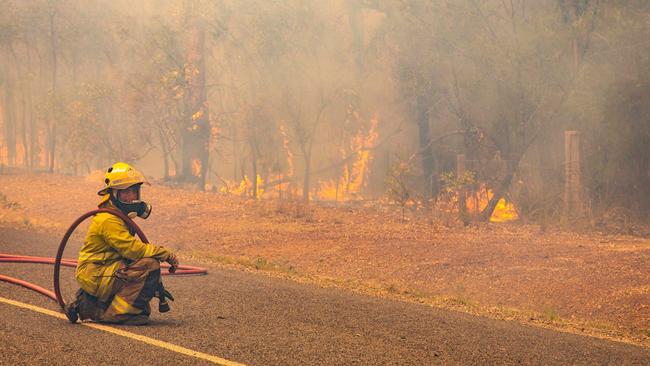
<point x="118" y="274"/>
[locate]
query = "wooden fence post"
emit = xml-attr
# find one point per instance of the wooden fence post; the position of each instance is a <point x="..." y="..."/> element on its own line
<point x="462" y="192"/>
<point x="572" y="173"/>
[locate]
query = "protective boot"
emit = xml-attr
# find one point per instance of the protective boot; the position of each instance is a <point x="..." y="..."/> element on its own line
<point x="84" y="306"/>
<point x="71" y="311"/>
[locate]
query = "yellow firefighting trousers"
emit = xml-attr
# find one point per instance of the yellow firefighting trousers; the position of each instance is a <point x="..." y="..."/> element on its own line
<point x="132" y="289"/>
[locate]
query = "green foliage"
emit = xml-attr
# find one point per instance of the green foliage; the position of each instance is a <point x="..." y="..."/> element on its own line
<point x="91" y="84"/>
<point x="451" y="183"/>
<point x="400" y="183"/>
<point x="453" y="186"/>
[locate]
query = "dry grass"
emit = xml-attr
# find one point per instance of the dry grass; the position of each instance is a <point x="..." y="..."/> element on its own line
<point x="592" y="283"/>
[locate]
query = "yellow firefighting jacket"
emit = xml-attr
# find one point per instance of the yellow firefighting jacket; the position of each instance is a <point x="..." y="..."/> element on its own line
<point x="108" y="243"/>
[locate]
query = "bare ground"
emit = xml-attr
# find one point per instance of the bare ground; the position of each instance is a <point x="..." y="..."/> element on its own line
<point x="261" y="320"/>
<point x="593" y="284"/>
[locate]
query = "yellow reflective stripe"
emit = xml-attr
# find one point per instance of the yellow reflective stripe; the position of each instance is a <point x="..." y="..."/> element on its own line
<point x="122" y="307"/>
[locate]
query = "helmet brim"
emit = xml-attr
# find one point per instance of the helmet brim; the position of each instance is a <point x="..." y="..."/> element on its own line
<point x="106" y="190"/>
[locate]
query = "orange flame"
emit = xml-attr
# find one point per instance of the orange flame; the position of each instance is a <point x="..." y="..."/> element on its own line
<point x="352" y="180"/>
<point x="477" y="202"/>
<point x="243" y="188"/>
<point x="20" y="155"/>
<point x="196" y="167"/>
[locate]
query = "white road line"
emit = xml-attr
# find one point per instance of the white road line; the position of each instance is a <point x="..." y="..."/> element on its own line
<point x="154" y="342"/>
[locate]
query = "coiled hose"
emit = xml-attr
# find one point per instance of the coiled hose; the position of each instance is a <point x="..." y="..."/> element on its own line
<point x="59" y="261"/>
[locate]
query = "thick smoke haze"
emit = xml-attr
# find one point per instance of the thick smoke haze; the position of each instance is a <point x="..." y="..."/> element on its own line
<point x="338" y="100"/>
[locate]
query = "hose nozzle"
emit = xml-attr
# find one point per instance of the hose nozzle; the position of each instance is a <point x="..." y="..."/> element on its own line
<point x="163" y="295"/>
<point x="163" y="306"/>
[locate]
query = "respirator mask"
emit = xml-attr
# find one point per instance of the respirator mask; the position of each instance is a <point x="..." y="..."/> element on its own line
<point x="135" y="208"/>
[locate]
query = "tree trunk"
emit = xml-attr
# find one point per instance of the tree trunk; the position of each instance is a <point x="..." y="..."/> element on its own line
<point x="502" y="188"/>
<point x="52" y="148"/>
<point x="306" y="181"/>
<point x="254" y="176"/>
<point x="235" y="153"/>
<point x="23" y="125"/>
<point x="9" y="118"/>
<point x="30" y="143"/>
<point x="462" y="192"/>
<point x="33" y="133"/>
<point x="196" y="132"/>
<point x="52" y="129"/>
<point x="165" y="150"/>
<point x="19" y="110"/>
<point x="425" y="146"/>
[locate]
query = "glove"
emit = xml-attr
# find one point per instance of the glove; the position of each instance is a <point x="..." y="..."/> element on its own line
<point x="173" y="262"/>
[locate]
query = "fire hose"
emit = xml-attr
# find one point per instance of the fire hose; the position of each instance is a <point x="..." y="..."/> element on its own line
<point x="59" y="261"/>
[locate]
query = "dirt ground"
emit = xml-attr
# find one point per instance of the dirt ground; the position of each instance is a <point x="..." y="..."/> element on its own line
<point x="592" y="284"/>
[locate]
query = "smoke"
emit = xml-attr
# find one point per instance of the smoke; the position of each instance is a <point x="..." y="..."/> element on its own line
<point x="283" y="90"/>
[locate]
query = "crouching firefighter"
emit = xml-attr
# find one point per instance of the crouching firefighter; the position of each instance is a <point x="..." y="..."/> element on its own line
<point x="118" y="273"/>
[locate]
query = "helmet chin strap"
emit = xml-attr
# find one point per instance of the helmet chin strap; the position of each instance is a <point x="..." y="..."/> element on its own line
<point x="135" y="208"/>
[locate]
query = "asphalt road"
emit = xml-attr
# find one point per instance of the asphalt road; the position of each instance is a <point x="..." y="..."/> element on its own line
<point x="258" y="320"/>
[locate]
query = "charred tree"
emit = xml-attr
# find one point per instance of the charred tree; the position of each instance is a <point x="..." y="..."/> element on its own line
<point x="21" y="82"/>
<point x="51" y="136"/>
<point x="501" y="188"/>
<point x="9" y="121"/>
<point x="23" y="128"/>
<point x="254" y="176"/>
<point x="253" y="122"/>
<point x="196" y="130"/>
<point x="305" y="133"/>
<point x="428" y="167"/>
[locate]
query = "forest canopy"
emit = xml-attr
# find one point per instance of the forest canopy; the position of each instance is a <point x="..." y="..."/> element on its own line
<point x="337" y="100"/>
